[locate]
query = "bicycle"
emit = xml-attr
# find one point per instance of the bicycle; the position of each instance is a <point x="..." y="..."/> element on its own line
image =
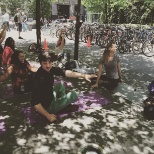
<point x="34" y="49"/>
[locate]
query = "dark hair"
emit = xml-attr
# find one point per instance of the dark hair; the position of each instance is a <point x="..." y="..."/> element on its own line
<point x="44" y="57"/>
<point x="8" y="42"/>
<point x="107" y="51"/>
<point x="15" y="58"/>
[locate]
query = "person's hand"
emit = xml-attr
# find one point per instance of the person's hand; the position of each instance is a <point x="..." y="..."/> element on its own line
<point x="51" y="117"/>
<point x="88" y="77"/>
<point x="4" y="27"/>
<point x="95" y="85"/>
<point x="120" y="80"/>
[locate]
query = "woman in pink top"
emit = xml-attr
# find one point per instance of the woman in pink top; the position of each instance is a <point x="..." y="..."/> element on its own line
<point x="9" y="48"/>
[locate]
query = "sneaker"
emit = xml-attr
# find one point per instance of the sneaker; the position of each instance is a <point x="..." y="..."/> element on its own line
<point x="20" y="38"/>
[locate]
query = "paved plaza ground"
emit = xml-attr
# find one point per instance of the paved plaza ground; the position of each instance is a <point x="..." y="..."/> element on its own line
<point x="117" y="127"/>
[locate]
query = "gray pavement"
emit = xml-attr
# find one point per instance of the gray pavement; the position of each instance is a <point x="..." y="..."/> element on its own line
<point x="117" y="128"/>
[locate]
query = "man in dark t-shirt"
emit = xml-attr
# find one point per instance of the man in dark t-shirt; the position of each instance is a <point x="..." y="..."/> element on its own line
<point x="43" y="98"/>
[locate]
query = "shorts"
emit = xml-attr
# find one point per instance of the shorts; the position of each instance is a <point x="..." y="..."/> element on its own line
<point x="19" y="27"/>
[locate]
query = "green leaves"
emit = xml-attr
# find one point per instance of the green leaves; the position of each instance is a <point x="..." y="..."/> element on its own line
<point x="122" y="11"/>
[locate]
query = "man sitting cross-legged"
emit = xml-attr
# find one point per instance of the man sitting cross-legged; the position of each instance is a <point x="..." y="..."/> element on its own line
<point x="44" y="100"/>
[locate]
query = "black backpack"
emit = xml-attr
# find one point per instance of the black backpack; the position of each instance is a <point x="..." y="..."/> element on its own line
<point x="149" y="108"/>
<point x="15" y="18"/>
<point x="151" y="88"/>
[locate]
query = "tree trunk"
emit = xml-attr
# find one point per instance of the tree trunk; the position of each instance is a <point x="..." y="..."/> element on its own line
<point x="38" y="32"/>
<point x="106" y="12"/>
<point x="77" y="26"/>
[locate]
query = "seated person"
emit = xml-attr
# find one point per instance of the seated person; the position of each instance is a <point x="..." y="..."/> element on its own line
<point x="19" y="74"/>
<point x="110" y="61"/>
<point x="9" y="49"/>
<point x="44" y="100"/>
<point x="60" y="43"/>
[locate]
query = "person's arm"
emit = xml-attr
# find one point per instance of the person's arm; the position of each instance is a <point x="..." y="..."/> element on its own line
<point x="41" y="110"/>
<point x="98" y="76"/>
<point x="62" y="42"/>
<point x="32" y="68"/>
<point x="71" y="74"/>
<point x="25" y="18"/>
<point x="3" y="34"/>
<point x="119" y="70"/>
<point x="7" y="74"/>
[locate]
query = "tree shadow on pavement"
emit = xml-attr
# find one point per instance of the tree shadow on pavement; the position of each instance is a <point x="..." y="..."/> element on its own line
<point x="116" y="127"/>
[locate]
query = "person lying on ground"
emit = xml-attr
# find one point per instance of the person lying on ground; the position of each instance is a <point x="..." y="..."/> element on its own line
<point x="44" y="100"/>
<point x="19" y="72"/>
<point x="111" y="62"/>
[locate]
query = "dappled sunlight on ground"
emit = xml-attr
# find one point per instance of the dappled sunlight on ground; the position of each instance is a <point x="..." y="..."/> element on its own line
<point x="118" y="127"/>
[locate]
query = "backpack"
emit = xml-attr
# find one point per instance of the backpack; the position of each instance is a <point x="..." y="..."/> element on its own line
<point x="151" y="88"/>
<point x="15" y="18"/>
<point x="148" y="111"/>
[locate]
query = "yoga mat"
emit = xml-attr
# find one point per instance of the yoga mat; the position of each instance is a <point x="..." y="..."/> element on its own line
<point x="85" y="101"/>
<point x="2" y="125"/>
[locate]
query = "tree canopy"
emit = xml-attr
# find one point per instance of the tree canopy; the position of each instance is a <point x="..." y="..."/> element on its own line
<point x="122" y="11"/>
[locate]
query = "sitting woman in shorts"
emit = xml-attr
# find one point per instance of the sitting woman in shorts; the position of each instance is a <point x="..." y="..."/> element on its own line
<point x="111" y="63"/>
<point x="19" y="72"/>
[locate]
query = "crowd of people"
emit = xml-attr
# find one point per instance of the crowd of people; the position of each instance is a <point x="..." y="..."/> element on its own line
<point x="40" y="81"/>
<point x="21" y="22"/>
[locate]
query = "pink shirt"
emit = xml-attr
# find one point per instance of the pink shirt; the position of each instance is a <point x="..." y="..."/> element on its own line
<point x="6" y="56"/>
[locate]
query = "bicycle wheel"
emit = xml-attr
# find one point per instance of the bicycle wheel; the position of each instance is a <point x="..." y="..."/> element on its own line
<point x="58" y="33"/>
<point x="69" y="34"/>
<point x="122" y="47"/>
<point x="32" y="48"/>
<point x="45" y="31"/>
<point x="137" y="47"/>
<point x="148" y="48"/>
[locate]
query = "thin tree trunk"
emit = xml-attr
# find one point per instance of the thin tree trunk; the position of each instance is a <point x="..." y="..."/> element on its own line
<point x="77" y="26"/>
<point x="38" y="32"/>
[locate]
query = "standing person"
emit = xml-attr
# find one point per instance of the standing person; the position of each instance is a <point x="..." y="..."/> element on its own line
<point x="2" y="37"/>
<point x="19" y="23"/>
<point x="41" y="21"/>
<point x="24" y="22"/>
<point x="46" y="23"/>
<point x="6" y="19"/>
<point x="19" y="71"/>
<point x="9" y="49"/>
<point x="43" y="98"/>
<point x="110" y="61"/>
